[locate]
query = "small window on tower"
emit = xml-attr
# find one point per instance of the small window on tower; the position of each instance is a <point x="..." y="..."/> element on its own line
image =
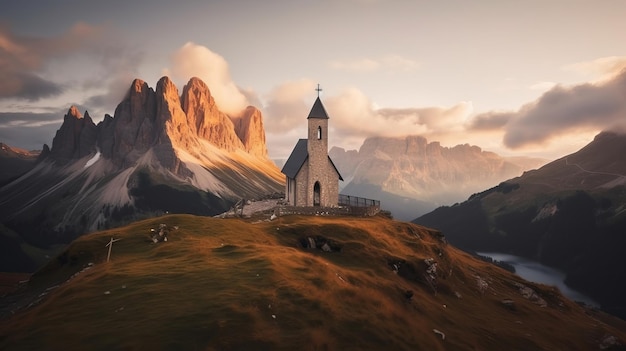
<point x="319" y="133"/>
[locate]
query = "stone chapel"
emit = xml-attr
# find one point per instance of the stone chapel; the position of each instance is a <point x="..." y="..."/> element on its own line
<point x="312" y="178"/>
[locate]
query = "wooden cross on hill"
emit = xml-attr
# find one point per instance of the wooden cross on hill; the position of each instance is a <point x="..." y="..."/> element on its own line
<point x="110" y="245"/>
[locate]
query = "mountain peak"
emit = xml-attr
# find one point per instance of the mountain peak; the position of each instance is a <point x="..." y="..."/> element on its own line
<point x="76" y="138"/>
<point x="73" y="112"/>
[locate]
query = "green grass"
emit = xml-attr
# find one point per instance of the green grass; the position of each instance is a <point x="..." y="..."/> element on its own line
<point x="227" y="284"/>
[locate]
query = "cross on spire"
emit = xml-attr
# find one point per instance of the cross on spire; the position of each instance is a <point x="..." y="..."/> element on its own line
<point x="318" y="89"/>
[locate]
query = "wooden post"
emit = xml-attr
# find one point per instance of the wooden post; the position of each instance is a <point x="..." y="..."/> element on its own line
<point x="110" y="245"/>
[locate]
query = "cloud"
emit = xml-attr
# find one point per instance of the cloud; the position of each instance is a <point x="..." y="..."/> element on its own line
<point x="605" y="67"/>
<point x="542" y="86"/>
<point x="23" y="60"/>
<point x="559" y="112"/>
<point x="355" y="114"/>
<point x="117" y="67"/>
<point x="389" y="63"/>
<point x="492" y="120"/>
<point x="193" y="60"/>
<point x="29" y="130"/>
<point x="288" y="105"/>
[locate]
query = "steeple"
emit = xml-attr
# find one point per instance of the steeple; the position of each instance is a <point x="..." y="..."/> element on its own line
<point x="318" y="110"/>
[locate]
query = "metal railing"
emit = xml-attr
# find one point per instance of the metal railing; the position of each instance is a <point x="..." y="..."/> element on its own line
<point x="355" y="201"/>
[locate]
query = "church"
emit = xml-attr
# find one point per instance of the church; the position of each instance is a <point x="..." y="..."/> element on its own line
<point x="312" y="178"/>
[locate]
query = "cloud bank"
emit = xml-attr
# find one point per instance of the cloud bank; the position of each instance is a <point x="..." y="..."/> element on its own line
<point x="561" y="111"/>
<point x="354" y="117"/>
<point x="193" y="60"/>
<point x="23" y="61"/>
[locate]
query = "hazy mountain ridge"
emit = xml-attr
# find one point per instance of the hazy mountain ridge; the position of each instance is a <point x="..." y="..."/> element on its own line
<point x="158" y="153"/>
<point x="568" y="214"/>
<point x="413" y="168"/>
<point x="15" y="162"/>
<point x="229" y="284"/>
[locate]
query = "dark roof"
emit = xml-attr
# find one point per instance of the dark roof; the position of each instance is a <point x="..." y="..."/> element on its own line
<point x="335" y="167"/>
<point x="318" y="110"/>
<point x="296" y="159"/>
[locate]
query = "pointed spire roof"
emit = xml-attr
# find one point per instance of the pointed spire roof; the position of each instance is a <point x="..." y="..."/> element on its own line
<point x="318" y="110"/>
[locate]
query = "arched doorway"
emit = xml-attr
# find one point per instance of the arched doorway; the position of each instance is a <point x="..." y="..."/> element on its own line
<point x="316" y="194"/>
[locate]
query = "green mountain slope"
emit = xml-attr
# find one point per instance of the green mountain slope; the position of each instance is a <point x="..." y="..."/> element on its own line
<point x="229" y="284"/>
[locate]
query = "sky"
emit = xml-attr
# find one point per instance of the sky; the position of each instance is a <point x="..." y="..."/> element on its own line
<point x="520" y="78"/>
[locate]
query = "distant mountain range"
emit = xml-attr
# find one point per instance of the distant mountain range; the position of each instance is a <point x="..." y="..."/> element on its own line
<point x="14" y="162"/>
<point x="569" y="214"/>
<point x="160" y="152"/>
<point x="412" y="176"/>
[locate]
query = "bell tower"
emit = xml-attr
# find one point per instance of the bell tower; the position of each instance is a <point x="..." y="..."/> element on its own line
<point x="317" y="148"/>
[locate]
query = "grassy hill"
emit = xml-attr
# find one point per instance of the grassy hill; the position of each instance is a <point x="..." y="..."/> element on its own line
<point x="230" y="284"/>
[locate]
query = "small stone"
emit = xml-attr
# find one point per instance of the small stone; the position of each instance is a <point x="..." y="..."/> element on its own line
<point x="508" y="303"/>
<point x="107" y="292"/>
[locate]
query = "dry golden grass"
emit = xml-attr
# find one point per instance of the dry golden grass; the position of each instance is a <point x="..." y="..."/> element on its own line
<point x="227" y="284"/>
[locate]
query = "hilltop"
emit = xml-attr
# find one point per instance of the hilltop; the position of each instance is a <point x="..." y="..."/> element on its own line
<point x="229" y="284"/>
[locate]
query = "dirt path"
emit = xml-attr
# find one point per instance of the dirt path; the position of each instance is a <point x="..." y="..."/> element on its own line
<point x="592" y="172"/>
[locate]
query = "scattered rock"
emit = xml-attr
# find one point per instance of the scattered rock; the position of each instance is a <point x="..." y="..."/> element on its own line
<point x="608" y="342"/>
<point x="482" y="284"/>
<point x="160" y="235"/>
<point x="508" y="303"/>
<point x="531" y="295"/>
<point x="408" y="294"/>
<point x="432" y="266"/>
<point x="320" y="242"/>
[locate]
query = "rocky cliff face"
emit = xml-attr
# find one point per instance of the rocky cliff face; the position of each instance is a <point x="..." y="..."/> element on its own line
<point x="415" y="168"/>
<point x="159" y="152"/>
<point x="412" y="176"/>
<point x="250" y="130"/>
<point x="163" y="121"/>
<point x="205" y="119"/>
<point x="76" y="138"/>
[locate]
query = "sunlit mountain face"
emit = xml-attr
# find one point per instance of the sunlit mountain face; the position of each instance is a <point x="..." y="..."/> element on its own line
<point x="159" y="153"/>
<point x="412" y="176"/>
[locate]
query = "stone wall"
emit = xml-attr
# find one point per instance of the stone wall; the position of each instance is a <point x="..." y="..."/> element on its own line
<point x="320" y="168"/>
<point x="326" y="211"/>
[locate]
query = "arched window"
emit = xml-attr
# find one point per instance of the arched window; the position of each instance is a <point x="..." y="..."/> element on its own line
<point x="316" y="194"/>
<point x="319" y="133"/>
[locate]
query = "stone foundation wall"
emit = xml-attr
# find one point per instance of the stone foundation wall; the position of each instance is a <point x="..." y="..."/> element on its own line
<point x="326" y="211"/>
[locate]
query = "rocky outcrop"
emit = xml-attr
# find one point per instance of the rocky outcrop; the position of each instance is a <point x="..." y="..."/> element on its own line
<point x="126" y="136"/>
<point x="76" y="138"/>
<point x="205" y="119"/>
<point x="415" y="168"/>
<point x="250" y="130"/>
<point x="162" y="121"/>
<point x="159" y="152"/>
